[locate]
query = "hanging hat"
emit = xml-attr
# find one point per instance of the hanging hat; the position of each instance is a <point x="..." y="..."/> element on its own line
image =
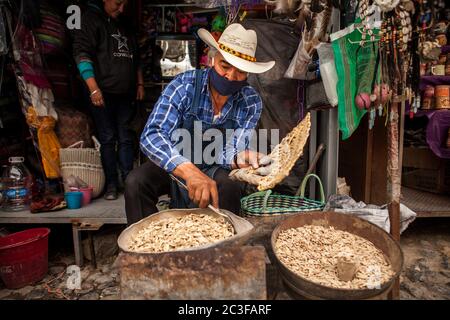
<point x="238" y="47"/>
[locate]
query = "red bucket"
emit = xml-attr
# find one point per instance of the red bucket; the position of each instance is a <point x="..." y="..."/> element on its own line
<point x="24" y="257"/>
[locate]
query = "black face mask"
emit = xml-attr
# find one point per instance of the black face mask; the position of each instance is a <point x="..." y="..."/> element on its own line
<point x="224" y="86"/>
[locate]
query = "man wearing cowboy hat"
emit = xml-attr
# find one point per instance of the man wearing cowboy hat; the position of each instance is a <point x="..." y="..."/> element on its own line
<point x="218" y="98"/>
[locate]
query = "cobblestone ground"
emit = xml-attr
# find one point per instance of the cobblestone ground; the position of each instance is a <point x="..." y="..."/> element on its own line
<point x="426" y="272"/>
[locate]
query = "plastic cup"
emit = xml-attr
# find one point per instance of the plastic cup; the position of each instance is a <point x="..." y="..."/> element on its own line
<point x="74" y="200"/>
<point x="87" y="195"/>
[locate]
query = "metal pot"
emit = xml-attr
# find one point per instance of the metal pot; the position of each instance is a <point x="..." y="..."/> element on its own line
<point x="380" y="238"/>
<point x="243" y="228"/>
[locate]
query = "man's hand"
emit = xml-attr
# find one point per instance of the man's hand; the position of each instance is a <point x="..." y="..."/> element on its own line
<point x="202" y="189"/>
<point x="248" y="158"/>
<point x="266" y="166"/>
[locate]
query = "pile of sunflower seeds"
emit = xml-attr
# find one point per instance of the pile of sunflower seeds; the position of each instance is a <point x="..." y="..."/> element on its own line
<point x="179" y="233"/>
<point x="312" y="252"/>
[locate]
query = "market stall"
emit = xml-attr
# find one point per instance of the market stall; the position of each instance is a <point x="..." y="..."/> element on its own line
<point x="337" y="67"/>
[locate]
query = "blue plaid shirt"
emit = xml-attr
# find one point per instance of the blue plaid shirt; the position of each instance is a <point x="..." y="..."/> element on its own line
<point x="173" y="106"/>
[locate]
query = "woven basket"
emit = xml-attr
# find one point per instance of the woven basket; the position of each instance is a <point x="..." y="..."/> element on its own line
<point x="84" y="163"/>
<point x="266" y="203"/>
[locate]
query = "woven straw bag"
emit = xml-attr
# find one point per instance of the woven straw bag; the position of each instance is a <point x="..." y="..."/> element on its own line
<point x="84" y="163"/>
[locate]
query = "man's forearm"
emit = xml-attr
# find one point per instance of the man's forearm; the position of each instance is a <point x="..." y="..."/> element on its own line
<point x="185" y="170"/>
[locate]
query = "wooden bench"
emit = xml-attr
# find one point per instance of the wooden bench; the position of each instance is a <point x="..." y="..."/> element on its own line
<point x="89" y="218"/>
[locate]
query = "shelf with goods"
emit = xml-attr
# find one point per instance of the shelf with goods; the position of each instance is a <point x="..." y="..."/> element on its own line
<point x="435" y="75"/>
<point x="426" y="161"/>
<point x="175" y="18"/>
<point x="434" y="80"/>
<point x="168" y="14"/>
<point x="426" y="153"/>
<point x="162" y="26"/>
<point x="437" y="72"/>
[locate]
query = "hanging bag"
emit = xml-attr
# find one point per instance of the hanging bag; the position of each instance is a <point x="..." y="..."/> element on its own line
<point x="301" y="62"/>
<point x="328" y="72"/>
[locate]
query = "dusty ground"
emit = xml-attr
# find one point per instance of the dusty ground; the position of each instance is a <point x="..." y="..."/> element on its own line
<point x="426" y="248"/>
<point x="426" y="273"/>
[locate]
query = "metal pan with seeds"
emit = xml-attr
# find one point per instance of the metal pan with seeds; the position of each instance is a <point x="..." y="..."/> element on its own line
<point x="178" y="233"/>
<point x="327" y="255"/>
<point x="183" y="230"/>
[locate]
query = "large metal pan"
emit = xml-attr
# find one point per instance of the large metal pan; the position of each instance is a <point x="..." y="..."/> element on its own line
<point x="380" y="238"/>
<point x="243" y="229"/>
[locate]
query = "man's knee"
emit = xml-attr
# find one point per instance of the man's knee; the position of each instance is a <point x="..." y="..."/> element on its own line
<point x="134" y="181"/>
<point x="147" y="180"/>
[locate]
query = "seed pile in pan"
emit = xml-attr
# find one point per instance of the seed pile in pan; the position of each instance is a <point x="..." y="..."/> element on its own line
<point x="312" y="253"/>
<point x="183" y="232"/>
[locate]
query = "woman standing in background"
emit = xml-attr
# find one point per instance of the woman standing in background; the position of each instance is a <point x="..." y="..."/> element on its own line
<point x="107" y="58"/>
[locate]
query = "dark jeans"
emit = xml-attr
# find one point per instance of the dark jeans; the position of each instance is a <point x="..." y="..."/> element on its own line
<point x="146" y="184"/>
<point x="115" y="133"/>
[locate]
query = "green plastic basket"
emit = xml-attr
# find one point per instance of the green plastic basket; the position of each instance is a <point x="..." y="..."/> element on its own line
<point x="266" y="203"/>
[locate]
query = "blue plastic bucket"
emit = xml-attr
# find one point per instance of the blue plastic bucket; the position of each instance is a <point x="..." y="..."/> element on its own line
<point x="74" y="199"/>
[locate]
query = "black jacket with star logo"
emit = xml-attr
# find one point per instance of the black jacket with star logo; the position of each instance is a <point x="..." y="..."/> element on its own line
<point x="111" y="47"/>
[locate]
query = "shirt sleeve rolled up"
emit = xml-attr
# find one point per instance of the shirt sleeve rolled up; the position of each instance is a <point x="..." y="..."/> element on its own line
<point x="156" y="142"/>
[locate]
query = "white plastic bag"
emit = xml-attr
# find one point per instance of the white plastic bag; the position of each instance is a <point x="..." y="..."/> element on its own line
<point x="378" y="215"/>
<point x="298" y="69"/>
<point x="328" y="71"/>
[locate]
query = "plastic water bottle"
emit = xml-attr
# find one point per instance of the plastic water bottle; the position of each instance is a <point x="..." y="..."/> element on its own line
<point x="17" y="182"/>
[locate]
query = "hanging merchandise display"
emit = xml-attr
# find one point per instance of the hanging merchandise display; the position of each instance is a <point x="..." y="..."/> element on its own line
<point x="218" y="24"/>
<point x="328" y="73"/>
<point x="315" y="17"/>
<point x="387" y="5"/>
<point x="316" y="97"/>
<point x="346" y="43"/>
<point x="395" y="38"/>
<point x="36" y="96"/>
<point x="366" y="69"/>
<point x="374" y="57"/>
<point x="47" y="140"/>
<point x="51" y="32"/>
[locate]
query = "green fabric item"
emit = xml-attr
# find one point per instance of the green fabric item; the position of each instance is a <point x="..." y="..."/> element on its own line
<point x="355" y="67"/>
<point x="49" y="39"/>
<point x="365" y="67"/>
<point x="218" y="24"/>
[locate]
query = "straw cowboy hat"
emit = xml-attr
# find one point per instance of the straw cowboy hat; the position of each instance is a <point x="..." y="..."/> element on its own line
<point x="238" y="46"/>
